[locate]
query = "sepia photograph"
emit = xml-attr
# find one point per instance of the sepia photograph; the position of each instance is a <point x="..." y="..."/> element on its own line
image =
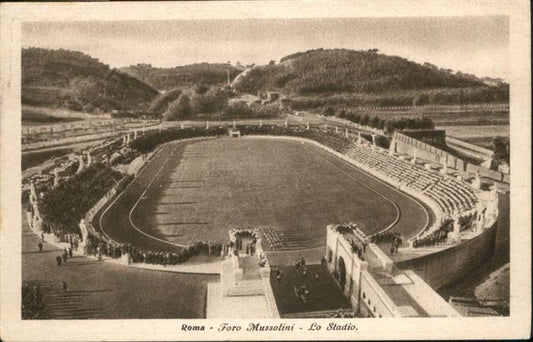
<point x="264" y="174"/>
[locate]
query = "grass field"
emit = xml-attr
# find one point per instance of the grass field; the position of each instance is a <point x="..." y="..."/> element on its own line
<point x="324" y="292"/>
<point x="199" y="191"/>
<point x="477" y="135"/>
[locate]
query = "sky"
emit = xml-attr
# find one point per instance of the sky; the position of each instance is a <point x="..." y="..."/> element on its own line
<point x="478" y="44"/>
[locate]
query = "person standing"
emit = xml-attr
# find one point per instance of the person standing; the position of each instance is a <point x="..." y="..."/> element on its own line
<point x="40" y="245"/>
<point x="58" y="260"/>
<point x="65" y="255"/>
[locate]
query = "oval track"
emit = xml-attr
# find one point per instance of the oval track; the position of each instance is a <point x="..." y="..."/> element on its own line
<point x="119" y="221"/>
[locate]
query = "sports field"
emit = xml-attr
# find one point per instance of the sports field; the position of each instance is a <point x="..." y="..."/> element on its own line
<point x="198" y="191"/>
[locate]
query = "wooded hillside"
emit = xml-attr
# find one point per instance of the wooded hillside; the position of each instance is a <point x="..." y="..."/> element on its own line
<point x="326" y="72"/>
<point x="70" y="79"/>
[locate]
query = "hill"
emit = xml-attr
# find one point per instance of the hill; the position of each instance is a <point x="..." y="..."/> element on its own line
<point x="368" y="76"/>
<point x="206" y="74"/>
<point x="70" y="79"/>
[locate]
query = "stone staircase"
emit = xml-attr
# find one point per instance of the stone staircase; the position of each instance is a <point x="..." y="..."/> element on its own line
<point x="69" y="304"/>
<point x="250" y="283"/>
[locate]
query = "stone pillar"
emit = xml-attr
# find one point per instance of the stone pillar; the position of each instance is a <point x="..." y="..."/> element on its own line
<point x="373" y="140"/>
<point x="346" y="133"/>
<point x="307" y="125"/>
<point x="80" y="161"/>
<point x="207" y="125"/>
<point x="326" y="126"/>
<point x="56" y="177"/>
<point x="456" y="227"/>
<point x="444" y="169"/>
<point x="144" y="129"/>
<point x="413" y="161"/>
<point x="286" y="124"/>
<point x="135" y="135"/>
<point x="234" y="125"/>
<point x="160" y="127"/>
<point x="33" y="193"/>
<point x="84" y="236"/>
<point x="336" y="129"/>
<point x="89" y="159"/>
<point x="477" y="182"/>
<point x="359" y="138"/>
<point x="123" y="140"/>
<point x="260" y="123"/>
<point x="127" y="139"/>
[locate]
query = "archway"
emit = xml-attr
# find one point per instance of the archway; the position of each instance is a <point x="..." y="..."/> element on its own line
<point x="342" y="272"/>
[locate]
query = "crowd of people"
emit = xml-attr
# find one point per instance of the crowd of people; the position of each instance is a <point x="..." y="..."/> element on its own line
<point x="272" y="238"/>
<point x="342" y="314"/>
<point x="62" y="258"/>
<point x="100" y="248"/>
<point x="151" y="140"/>
<point x="394" y="238"/>
<point x="302" y="293"/>
<point x="466" y="222"/>
<point x="387" y="236"/>
<point x="33" y="305"/>
<point x="438" y="236"/>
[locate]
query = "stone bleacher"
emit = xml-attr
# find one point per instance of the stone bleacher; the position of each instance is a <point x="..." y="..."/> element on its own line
<point x="450" y="194"/>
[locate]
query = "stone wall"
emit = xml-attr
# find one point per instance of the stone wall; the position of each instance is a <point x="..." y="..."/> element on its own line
<point x="449" y="265"/>
<point x="403" y="143"/>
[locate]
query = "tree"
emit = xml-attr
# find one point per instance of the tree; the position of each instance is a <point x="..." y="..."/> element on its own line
<point x="365" y="119"/>
<point x="341" y="113"/>
<point x="328" y="111"/>
<point x="501" y="149"/>
<point x="238" y="109"/>
<point x="374" y="122"/>
<point x="180" y="109"/>
<point x="381" y="123"/>
<point x="421" y="100"/>
<point x="212" y="101"/>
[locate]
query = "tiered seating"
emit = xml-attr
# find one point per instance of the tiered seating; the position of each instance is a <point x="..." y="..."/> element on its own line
<point x="450" y="194"/>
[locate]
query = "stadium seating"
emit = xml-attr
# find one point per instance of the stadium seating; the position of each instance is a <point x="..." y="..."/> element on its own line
<point x="450" y="194"/>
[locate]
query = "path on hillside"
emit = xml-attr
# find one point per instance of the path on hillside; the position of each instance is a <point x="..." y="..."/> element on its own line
<point x="98" y="290"/>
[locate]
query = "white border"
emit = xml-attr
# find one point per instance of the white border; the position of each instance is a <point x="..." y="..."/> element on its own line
<point x="515" y="326"/>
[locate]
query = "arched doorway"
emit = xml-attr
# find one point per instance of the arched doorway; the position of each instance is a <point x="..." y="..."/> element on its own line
<point x="342" y="272"/>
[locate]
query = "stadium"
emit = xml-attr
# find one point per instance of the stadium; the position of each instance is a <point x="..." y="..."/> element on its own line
<point x="273" y="217"/>
<point x="311" y="180"/>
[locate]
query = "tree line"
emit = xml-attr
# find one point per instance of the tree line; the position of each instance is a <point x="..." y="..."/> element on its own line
<point x="387" y="125"/>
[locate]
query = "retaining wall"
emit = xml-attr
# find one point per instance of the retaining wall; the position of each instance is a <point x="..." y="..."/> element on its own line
<point x="447" y="266"/>
<point x="407" y="145"/>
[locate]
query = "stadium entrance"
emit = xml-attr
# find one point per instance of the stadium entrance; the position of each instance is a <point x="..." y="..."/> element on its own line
<point x="342" y="272"/>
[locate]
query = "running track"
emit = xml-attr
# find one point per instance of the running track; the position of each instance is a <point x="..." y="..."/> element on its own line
<point x="116" y="222"/>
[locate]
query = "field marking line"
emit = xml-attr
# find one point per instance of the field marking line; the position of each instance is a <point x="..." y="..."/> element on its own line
<point x="141" y="197"/>
<point x="141" y="170"/>
<point x="426" y="225"/>
<point x="123" y="191"/>
<point x="398" y="212"/>
<point x="384" y="183"/>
